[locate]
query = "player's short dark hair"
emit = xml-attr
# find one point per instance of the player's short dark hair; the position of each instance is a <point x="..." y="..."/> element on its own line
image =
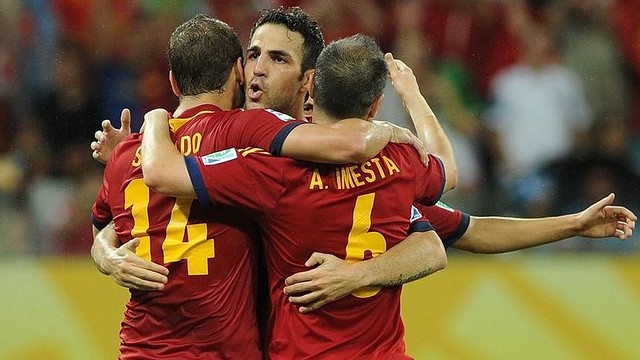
<point x="296" y="20"/>
<point x="350" y="74"/>
<point x="201" y="54"/>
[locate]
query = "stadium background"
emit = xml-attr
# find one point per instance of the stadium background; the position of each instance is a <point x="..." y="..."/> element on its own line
<point x="67" y="64"/>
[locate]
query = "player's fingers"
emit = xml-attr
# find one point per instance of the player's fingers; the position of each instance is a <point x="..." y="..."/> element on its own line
<point x="106" y="126"/>
<point x="305" y="299"/>
<point x="620" y="234"/>
<point x="140" y="284"/>
<point x="317" y="258"/>
<point x="297" y="288"/>
<point x="300" y="277"/>
<point x="623" y="211"/>
<point x="625" y="228"/>
<point x="99" y="136"/>
<point x="125" y="120"/>
<point x="312" y="306"/>
<point x="136" y="274"/>
<point x="146" y="265"/>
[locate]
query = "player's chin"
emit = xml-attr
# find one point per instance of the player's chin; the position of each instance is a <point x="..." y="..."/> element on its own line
<point x="251" y="104"/>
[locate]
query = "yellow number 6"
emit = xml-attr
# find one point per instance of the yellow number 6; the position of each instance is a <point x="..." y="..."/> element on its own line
<point x="361" y="239"/>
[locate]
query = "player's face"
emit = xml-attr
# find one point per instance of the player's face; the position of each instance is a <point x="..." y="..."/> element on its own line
<point x="273" y="70"/>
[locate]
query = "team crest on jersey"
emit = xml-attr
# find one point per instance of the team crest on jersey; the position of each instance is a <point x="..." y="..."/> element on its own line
<point x="415" y="214"/>
<point x="279" y="115"/>
<point x="219" y="157"/>
<point x="442" y="205"/>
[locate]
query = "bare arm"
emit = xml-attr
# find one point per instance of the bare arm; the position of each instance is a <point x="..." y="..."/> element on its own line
<point x="419" y="255"/>
<point x="491" y="235"/>
<point x="427" y="127"/>
<point x="162" y="164"/>
<point x="122" y="264"/>
<point x="347" y="141"/>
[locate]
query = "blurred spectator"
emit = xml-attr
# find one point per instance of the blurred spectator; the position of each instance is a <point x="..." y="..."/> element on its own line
<point x="70" y="110"/>
<point x="475" y="33"/>
<point x="589" y="48"/>
<point x="538" y="108"/>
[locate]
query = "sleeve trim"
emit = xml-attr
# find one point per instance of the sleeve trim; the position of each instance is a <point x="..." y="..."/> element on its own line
<point x="278" y="140"/>
<point x="462" y="228"/>
<point x="197" y="181"/>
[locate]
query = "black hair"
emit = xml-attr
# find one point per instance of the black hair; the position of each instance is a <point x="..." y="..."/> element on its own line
<point x="296" y="20"/>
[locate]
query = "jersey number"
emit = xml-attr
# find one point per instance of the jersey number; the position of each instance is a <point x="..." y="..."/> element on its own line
<point x="361" y="239"/>
<point x="196" y="250"/>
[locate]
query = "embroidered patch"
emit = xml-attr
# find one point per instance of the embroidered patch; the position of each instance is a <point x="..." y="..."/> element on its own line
<point x="415" y="214"/>
<point x="219" y="157"/>
<point x="279" y="115"/>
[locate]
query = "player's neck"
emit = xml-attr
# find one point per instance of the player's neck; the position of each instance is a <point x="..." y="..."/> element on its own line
<point x="321" y="117"/>
<point x="221" y="100"/>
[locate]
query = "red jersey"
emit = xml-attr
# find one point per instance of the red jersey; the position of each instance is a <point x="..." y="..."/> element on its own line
<point x="353" y="211"/>
<point x="449" y="223"/>
<point x="207" y="308"/>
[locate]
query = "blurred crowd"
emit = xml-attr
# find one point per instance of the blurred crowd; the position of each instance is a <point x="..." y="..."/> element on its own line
<point x="541" y="98"/>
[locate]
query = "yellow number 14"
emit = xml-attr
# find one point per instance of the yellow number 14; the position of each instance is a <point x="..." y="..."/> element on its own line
<point x="196" y="250"/>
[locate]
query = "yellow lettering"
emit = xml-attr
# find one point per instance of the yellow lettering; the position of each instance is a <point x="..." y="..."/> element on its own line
<point x="377" y="162"/>
<point x="371" y="176"/>
<point x="137" y="161"/>
<point x="196" y="140"/>
<point x="346" y="179"/>
<point x="391" y="166"/>
<point x="185" y="145"/>
<point x="316" y="180"/>
<point x="355" y="175"/>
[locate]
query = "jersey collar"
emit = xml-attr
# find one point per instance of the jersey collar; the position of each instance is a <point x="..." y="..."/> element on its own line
<point x="176" y="122"/>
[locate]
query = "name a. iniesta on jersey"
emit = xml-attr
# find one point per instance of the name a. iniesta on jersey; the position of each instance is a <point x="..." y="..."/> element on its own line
<point x="352" y="176"/>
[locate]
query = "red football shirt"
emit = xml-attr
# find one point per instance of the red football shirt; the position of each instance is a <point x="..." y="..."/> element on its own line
<point x="207" y="309"/>
<point x="354" y="211"/>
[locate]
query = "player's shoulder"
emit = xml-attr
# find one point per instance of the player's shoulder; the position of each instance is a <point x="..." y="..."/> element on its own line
<point x="131" y="141"/>
<point x="402" y="150"/>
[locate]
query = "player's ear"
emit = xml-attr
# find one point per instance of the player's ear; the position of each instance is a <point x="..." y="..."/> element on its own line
<point x="174" y="84"/>
<point x="375" y="106"/>
<point x="307" y="80"/>
<point x="312" y="85"/>
<point x="239" y="71"/>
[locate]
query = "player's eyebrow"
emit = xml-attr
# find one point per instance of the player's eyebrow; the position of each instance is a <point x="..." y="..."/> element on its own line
<point x="254" y="48"/>
<point x="281" y="53"/>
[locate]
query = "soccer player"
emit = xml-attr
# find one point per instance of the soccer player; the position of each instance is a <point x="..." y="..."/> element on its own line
<point x="206" y="309"/>
<point x="287" y="61"/>
<point x="162" y="241"/>
<point x="354" y="211"/>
